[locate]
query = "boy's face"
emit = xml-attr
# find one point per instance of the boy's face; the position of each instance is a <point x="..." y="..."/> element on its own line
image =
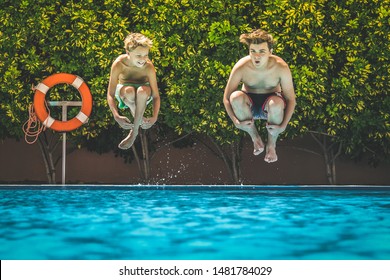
<point x="139" y="56"/>
<point x="259" y="54"/>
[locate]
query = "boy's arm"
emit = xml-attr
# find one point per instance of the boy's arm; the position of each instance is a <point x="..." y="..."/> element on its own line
<point x="155" y="94"/>
<point x="289" y="94"/>
<point x="231" y="86"/>
<point x="124" y="122"/>
<point x="113" y="82"/>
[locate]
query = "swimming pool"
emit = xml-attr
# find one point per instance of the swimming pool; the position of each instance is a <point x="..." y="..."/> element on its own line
<point x="194" y="222"/>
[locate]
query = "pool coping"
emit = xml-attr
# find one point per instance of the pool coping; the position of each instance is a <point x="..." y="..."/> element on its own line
<point x="189" y="187"/>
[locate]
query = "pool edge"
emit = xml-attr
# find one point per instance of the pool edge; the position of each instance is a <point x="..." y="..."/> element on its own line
<point x="190" y="187"/>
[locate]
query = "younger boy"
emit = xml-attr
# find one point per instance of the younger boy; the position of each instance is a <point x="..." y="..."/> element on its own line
<point x="133" y="83"/>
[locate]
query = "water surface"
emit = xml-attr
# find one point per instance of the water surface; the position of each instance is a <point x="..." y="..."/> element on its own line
<point x="194" y="224"/>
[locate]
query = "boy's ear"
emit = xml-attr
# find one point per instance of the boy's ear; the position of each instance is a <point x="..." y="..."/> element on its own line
<point x="271" y="50"/>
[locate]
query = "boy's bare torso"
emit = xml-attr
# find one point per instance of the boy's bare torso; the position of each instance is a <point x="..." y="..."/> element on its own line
<point x="261" y="80"/>
<point x="131" y="74"/>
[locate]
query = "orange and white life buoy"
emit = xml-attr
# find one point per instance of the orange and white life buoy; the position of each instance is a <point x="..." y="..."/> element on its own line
<point x="40" y="108"/>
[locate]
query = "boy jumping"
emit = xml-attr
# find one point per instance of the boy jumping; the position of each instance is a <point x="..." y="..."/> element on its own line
<point x="133" y="83"/>
<point x="267" y="92"/>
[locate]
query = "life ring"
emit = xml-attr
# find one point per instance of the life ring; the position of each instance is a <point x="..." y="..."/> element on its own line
<point x="40" y="107"/>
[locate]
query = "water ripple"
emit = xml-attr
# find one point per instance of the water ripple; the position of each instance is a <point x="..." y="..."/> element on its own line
<point x="129" y="224"/>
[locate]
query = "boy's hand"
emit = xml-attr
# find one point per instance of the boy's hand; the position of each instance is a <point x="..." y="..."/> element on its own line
<point x="275" y="130"/>
<point x="243" y="124"/>
<point x="124" y="122"/>
<point x="148" y="122"/>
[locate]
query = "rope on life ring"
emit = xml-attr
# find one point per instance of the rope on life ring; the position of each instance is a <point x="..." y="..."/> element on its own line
<point x="40" y="107"/>
<point x="32" y="127"/>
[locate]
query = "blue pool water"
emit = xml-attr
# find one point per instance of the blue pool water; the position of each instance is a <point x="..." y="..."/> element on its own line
<point x="194" y="223"/>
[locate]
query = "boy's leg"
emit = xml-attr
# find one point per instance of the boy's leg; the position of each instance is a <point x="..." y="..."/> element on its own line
<point x="275" y="109"/>
<point x="137" y="109"/>
<point x="241" y="105"/>
<point x="127" y="94"/>
<point x="143" y="94"/>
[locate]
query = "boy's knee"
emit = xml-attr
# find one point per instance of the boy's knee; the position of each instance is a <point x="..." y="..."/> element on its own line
<point x="238" y="98"/>
<point x="143" y="92"/>
<point x="275" y="106"/>
<point x="127" y="93"/>
<point x="275" y="109"/>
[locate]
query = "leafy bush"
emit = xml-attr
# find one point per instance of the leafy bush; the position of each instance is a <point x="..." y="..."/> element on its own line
<point x="338" y="53"/>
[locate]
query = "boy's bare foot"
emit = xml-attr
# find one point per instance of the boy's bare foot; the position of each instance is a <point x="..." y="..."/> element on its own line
<point x="128" y="141"/>
<point x="258" y="147"/>
<point x="271" y="155"/>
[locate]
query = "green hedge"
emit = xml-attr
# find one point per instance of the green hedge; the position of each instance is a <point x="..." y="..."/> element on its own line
<point x="338" y="52"/>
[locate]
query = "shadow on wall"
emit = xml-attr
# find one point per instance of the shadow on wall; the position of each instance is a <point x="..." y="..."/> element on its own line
<point x="22" y="163"/>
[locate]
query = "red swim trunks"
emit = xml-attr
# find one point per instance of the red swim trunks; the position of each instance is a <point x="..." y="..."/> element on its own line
<point x="258" y="102"/>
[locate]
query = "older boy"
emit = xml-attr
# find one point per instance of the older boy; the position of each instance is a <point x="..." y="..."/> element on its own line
<point x="267" y="92"/>
<point x="133" y="83"/>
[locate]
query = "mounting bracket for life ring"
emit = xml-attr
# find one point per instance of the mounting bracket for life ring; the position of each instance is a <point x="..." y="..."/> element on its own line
<point x="65" y="125"/>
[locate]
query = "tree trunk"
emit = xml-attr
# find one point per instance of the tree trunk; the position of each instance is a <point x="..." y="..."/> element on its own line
<point x="236" y="160"/>
<point x="330" y="154"/>
<point x="47" y="150"/>
<point x="138" y="161"/>
<point x="143" y="161"/>
<point x="232" y="164"/>
<point x="145" y="154"/>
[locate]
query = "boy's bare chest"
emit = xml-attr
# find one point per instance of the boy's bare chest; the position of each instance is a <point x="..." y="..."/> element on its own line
<point x="131" y="74"/>
<point x="261" y="80"/>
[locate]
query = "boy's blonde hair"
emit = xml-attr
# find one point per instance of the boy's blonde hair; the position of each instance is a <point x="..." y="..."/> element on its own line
<point x="134" y="40"/>
<point x="257" y="37"/>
